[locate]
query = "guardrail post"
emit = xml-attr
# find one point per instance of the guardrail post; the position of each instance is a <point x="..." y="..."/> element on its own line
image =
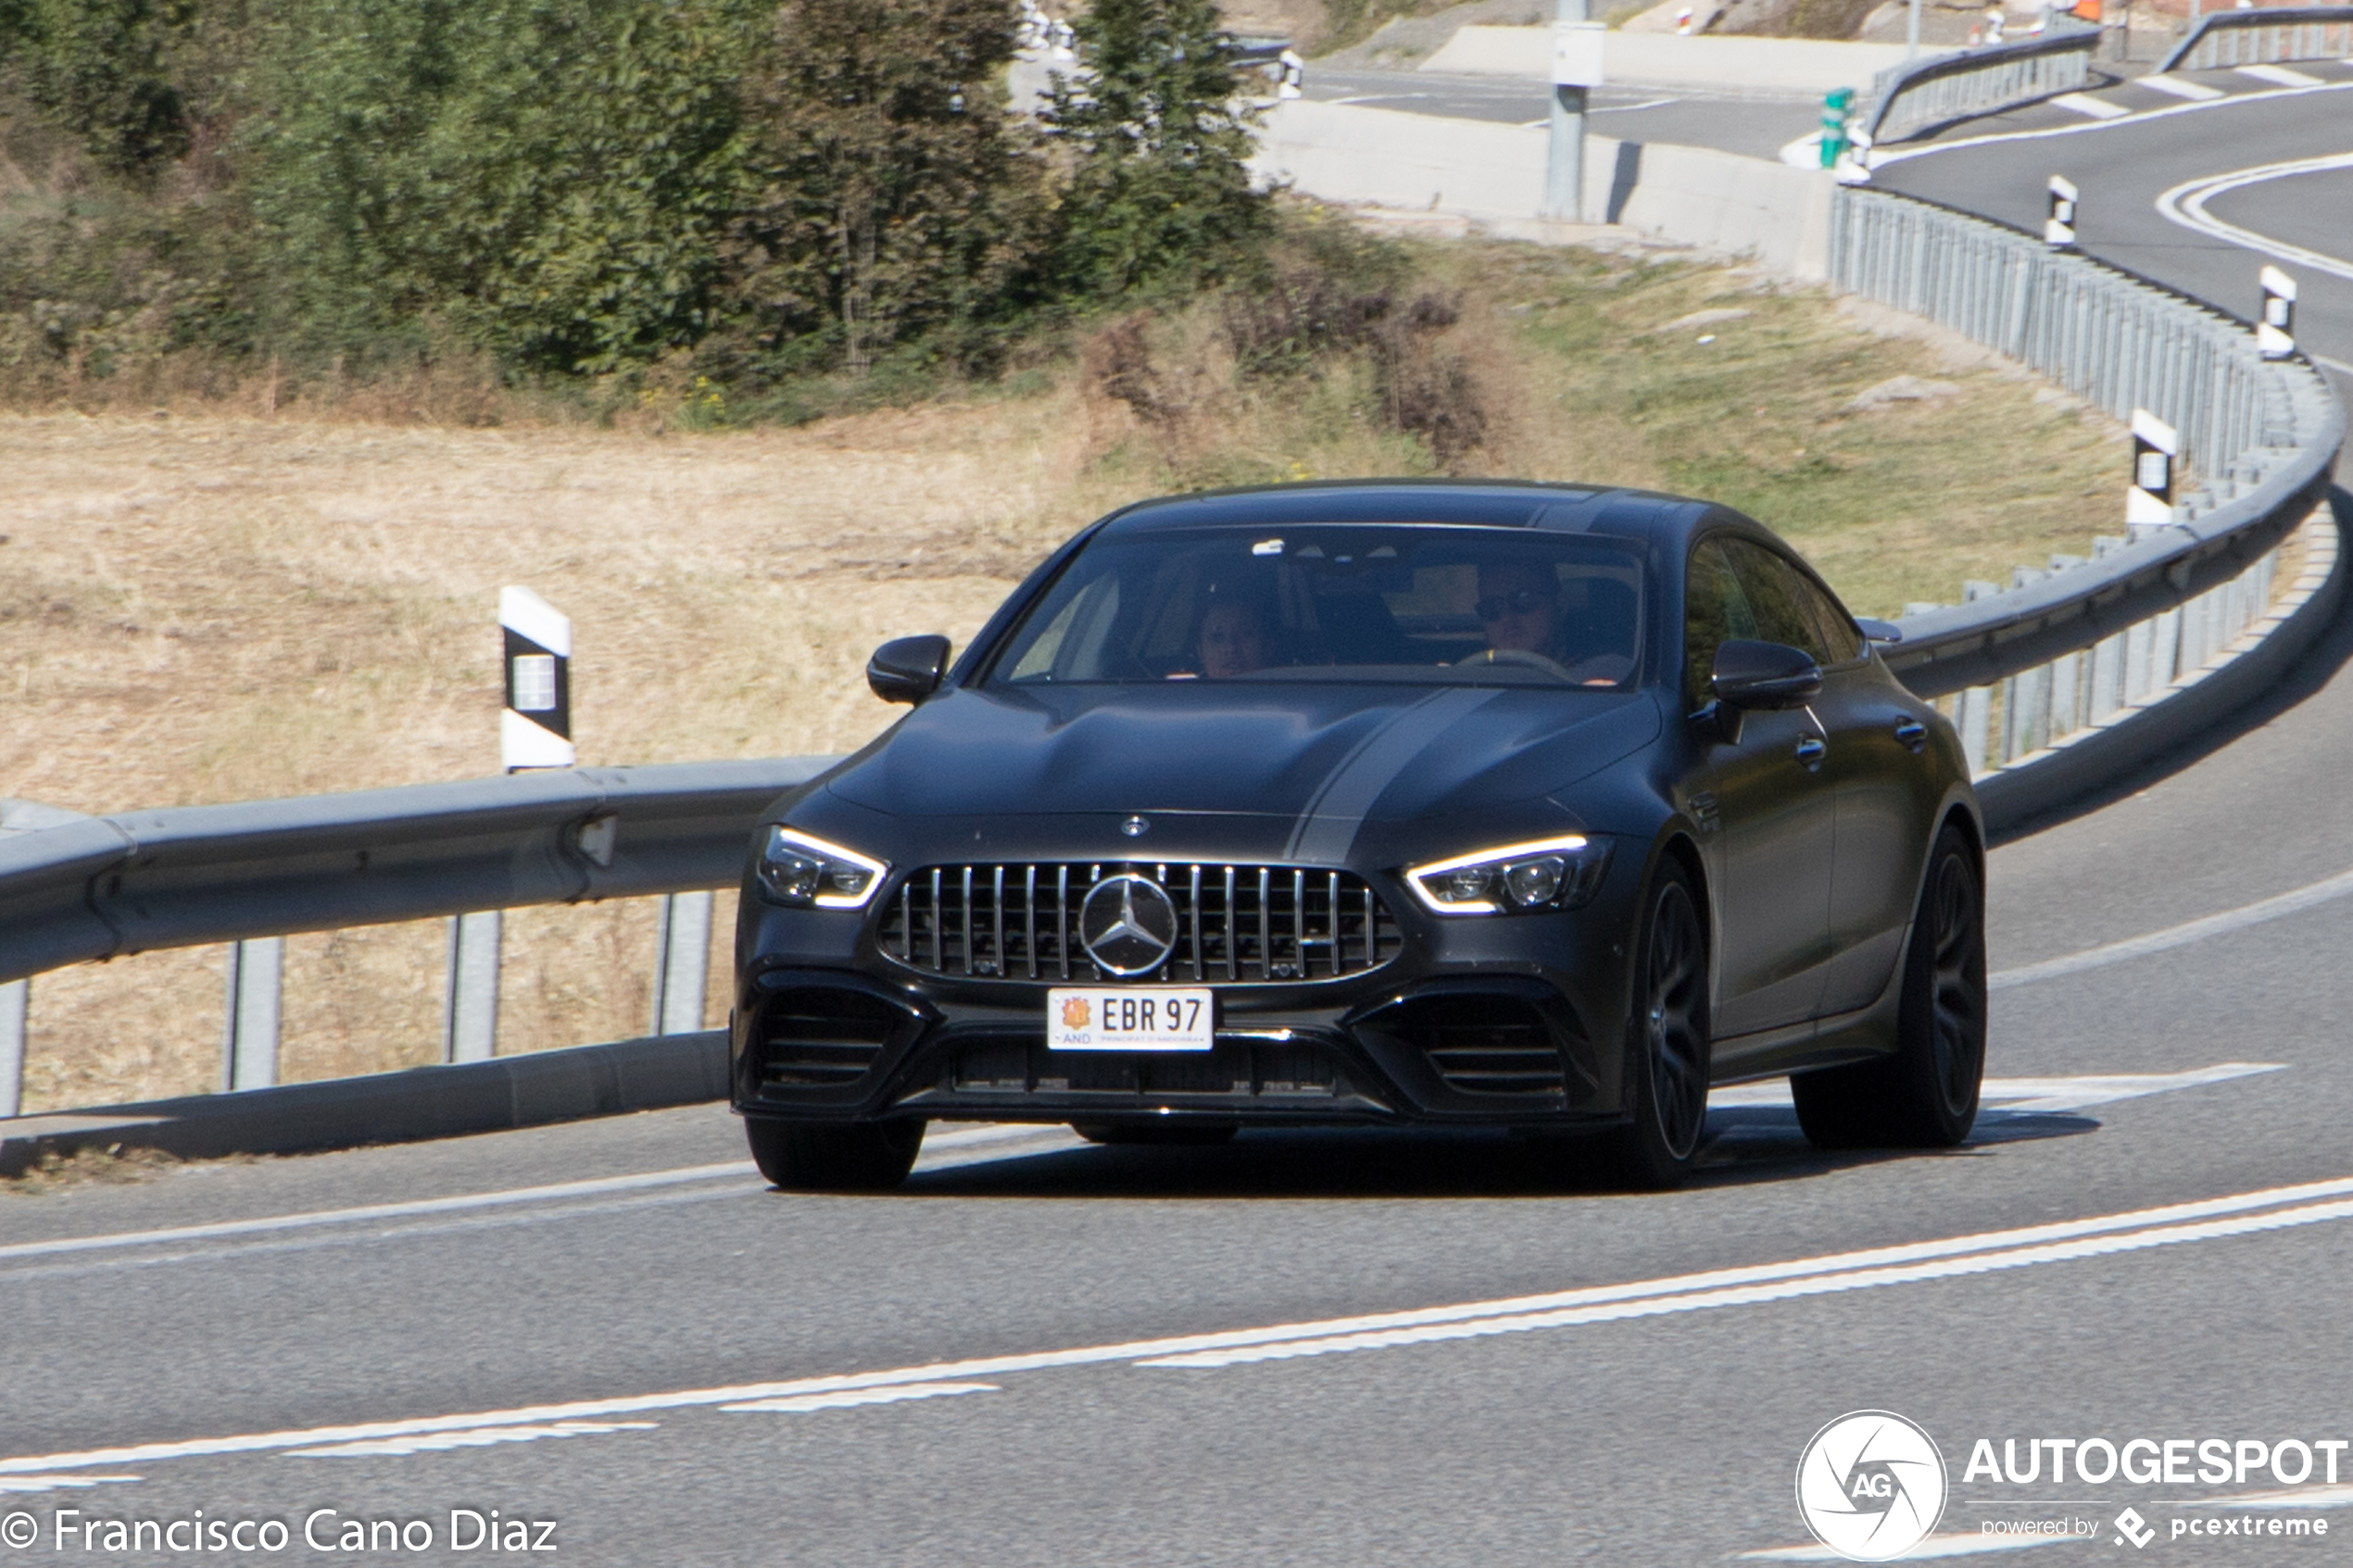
<point x="14" y="996"/>
<point x="249" y="1020"/>
<point x="470" y="1016"/>
<point x="1973" y="716"/>
<point x="682" y="962"/>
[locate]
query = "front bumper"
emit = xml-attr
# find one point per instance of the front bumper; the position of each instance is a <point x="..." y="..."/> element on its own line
<point x="1512" y="1020"/>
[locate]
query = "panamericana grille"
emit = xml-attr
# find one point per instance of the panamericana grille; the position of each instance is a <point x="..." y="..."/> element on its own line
<point x="1236" y="925"/>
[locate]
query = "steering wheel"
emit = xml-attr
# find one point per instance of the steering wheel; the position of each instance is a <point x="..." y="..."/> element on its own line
<point x="1521" y="657"/>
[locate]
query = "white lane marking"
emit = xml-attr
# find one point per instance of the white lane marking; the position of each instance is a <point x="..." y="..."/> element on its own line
<point x="1629" y="108"/>
<point x="1757" y="1295"/>
<point x="9" y="1484"/>
<point x="2185" y="205"/>
<point x="1935" y="1546"/>
<point x="2002" y="1244"/>
<point x="2038" y="1094"/>
<point x="2340" y="366"/>
<point x="2181" y="87"/>
<point x="946" y="1142"/>
<point x="2293" y="901"/>
<point x="480" y="1438"/>
<point x="2278" y="76"/>
<point x="361" y="1215"/>
<point x="853" y="1398"/>
<point x="2099" y="108"/>
<point x="1881" y="158"/>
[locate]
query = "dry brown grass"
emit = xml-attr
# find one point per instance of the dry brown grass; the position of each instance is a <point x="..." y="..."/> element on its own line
<point x="204" y="607"/>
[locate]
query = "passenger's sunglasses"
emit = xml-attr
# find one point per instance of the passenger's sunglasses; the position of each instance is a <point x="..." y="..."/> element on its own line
<point x="1494" y="606"/>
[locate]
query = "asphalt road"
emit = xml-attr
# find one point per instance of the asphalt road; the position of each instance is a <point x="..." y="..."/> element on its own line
<point x="265" y="1340"/>
<point x="1756" y="125"/>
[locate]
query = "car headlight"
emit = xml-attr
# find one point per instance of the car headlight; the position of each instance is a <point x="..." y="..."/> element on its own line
<point x="1545" y="873"/>
<point x="808" y="873"/>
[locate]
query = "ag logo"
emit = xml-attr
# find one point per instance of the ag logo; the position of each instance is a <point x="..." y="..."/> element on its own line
<point x="1872" y="1486"/>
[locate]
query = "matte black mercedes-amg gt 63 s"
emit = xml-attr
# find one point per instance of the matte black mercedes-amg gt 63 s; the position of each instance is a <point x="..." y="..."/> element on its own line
<point x="1526" y="806"/>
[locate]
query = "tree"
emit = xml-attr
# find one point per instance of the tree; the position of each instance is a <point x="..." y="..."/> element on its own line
<point x="890" y="195"/>
<point x="1161" y="187"/>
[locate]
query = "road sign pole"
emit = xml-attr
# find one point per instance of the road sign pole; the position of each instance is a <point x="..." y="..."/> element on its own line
<point x="1577" y="67"/>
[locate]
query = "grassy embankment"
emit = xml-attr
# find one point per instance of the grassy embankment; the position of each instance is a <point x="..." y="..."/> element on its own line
<point x="214" y="602"/>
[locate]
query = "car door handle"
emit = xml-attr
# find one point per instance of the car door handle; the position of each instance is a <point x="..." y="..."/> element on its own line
<point x="1912" y="733"/>
<point x="1810" y="751"/>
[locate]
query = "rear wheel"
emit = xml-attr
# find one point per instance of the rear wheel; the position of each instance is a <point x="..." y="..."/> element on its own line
<point x="1167" y="1133"/>
<point x="1667" y="1040"/>
<point x="812" y="1157"/>
<point x="1925" y="1095"/>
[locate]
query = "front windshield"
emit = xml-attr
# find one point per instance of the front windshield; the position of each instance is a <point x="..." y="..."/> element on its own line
<point x="1371" y="602"/>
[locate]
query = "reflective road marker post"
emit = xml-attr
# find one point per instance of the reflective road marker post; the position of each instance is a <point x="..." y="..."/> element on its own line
<point x="534" y="729"/>
<point x="15" y="998"/>
<point x="2059" y="230"/>
<point x="2149" y="503"/>
<point x="1577" y="66"/>
<point x="2275" y="331"/>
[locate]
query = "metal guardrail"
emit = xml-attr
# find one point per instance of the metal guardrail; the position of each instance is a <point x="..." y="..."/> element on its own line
<point x="2224" y="39"/>
<point x="1907" y="100"/>
<point x="99" y="887"/>
<point x="2065" y="650"/>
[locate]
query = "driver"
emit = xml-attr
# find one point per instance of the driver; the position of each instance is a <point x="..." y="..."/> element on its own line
<point x="1519" y="605"/>
<point x="1233" y="639"/>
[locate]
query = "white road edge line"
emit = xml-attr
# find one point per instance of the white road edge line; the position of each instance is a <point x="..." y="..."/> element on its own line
<point x="1879" y="159"/>
<point x="2185" y="205"/>
<point x="2294" y="901"/>
<point x="2204" y="1219"/>
<point x="941" y="1142"/>
<point x="2036" y="1094"/>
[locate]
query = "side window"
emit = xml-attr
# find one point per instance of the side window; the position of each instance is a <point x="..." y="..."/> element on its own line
<point x="1714" y="610"/>
<point x="1781" y="598"/>
<point x="1837" y="629"/>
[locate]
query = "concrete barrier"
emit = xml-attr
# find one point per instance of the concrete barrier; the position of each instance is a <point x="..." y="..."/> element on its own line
<point x="1771" y="64"/>
<point x="1493" y="174"/>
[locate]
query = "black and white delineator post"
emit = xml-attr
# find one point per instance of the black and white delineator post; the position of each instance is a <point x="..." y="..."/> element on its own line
<point x="2275" y="333"/>
<point x="534" y="729"/>
<point x="2149" y="503"/>
<point x="2058" y="229"/>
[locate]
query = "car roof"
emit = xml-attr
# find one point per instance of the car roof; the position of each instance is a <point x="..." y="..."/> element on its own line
<point x="1460" y="503"/>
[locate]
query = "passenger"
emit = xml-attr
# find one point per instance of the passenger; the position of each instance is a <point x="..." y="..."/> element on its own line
<point x="1233" y="639"/>
<point x="1519" y="604"/>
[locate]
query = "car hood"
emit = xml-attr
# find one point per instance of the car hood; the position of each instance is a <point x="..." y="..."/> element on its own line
<point x="1329" y="757"/>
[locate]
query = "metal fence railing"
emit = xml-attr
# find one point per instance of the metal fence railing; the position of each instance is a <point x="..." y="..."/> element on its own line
<point x="2060" y="653"/>
<point x="1909" y="99"/>
<point x="2270" y="36"/>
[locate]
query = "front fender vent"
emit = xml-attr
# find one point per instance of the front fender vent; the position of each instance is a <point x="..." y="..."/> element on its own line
<point x="1236" y="925"/>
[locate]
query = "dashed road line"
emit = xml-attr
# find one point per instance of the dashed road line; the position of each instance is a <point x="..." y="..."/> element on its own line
<point x="2097" y="108"/>
<point x="478" y="1438"/>
<point x="856" y="1398"/>
<point x="2278" y="76"/>
<point x="2181" y="87"/>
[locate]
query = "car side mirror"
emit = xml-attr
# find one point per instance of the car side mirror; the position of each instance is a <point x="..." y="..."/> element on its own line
<point x="1879" y="631"/>
<point x="1764" y="675"/>
<point x="908" y="669"/>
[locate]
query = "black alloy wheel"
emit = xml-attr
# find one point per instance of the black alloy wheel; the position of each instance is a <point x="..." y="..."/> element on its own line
<point x="1925" y="1095"/>
<point x="859" y="1156"/>
<point x="1668" y="1058"/>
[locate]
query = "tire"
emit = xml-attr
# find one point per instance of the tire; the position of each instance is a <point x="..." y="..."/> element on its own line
<point x="1667" y="1044"/>
<point x="1172" y="1133"/>
<point x="1924" y="1096"/>
<point x="859" y="1156"/>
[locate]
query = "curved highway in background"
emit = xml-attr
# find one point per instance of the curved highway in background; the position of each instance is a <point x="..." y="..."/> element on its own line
<point x="1343" y="1349"/>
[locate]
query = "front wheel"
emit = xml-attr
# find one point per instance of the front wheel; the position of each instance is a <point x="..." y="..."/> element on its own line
<point x="1925" y="1095"/>
<point x="1668" y="1046"/>
<point x="812" y="1157"/>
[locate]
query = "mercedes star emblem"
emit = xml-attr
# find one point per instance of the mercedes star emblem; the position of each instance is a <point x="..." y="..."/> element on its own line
<point x="1127" y="924"/>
